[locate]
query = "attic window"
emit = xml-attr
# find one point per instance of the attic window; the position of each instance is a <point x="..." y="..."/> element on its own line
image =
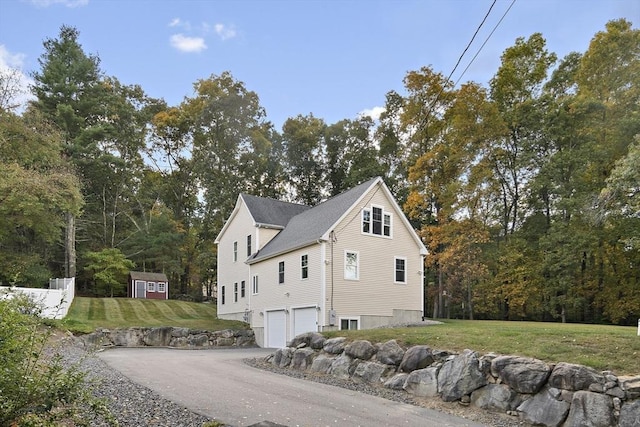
<point x="376" y="221"/>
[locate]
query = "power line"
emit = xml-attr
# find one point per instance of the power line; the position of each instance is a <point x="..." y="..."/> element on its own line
<point x="485" y="42"/>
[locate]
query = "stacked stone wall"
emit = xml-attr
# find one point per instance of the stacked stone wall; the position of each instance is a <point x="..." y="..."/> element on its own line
<point x="540" y="393"/>
<point x="170" y="337"/>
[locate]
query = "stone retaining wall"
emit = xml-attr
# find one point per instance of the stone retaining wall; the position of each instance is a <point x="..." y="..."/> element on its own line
<point x="539" y="393"/>
<point x="170" y="337"/>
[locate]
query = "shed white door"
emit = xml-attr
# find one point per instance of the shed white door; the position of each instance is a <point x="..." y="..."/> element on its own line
<point x="276" y="329"/>
<point x="305" y="320"/>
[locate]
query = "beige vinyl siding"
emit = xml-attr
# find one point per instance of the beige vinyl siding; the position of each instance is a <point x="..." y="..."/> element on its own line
<point x="264" y="235"/>
<point x="301" y="292"/>
<point x="374" y="293"/>
<point x="230" y="272"/>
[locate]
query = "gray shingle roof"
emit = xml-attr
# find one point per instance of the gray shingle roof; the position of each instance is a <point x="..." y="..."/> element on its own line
<point x="270" y="211"/>
<point x="310" y="225"/>
<point x="141" y="275"/>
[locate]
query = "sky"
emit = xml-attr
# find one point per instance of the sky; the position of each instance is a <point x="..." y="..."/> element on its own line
<point x="335" y="59"/>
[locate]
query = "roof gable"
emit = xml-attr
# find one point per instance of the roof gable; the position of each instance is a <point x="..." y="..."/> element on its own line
<point x="312" y="224"/>
<point x="271" y="212"/>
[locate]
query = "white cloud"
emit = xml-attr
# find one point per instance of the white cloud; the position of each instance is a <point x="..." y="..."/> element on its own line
<point x="374" y="112"/>
<point x="225" y="32"/>
<point x="11" y="65"/>
<point x="175" y="22"/>
<point x="187" y="44"/>
<point x="67" y="3"/>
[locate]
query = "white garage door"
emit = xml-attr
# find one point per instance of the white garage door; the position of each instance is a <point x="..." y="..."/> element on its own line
<point x="305" y="320"/>
<point x="276" y="329"/>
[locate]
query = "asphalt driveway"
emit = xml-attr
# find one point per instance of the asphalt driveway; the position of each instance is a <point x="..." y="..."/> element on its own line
<point x="217" y="383"/>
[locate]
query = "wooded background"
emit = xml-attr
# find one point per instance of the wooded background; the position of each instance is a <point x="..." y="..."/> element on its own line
<point x="526" y="192"/>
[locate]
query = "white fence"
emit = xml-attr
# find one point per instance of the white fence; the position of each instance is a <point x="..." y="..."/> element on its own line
<point x="55" y="301"/>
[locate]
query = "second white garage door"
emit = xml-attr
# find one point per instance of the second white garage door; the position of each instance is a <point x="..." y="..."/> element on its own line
<point x="305" y="320"/>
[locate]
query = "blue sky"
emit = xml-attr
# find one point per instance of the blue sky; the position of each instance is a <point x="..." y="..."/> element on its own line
<point x="334" y="59"/>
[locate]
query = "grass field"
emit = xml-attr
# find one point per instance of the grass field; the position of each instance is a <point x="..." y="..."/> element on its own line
<point x="87" y="314"/>
<point x="603" y="347"/>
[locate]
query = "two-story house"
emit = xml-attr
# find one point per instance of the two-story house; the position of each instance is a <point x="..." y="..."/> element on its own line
<point x="351" y="262"/>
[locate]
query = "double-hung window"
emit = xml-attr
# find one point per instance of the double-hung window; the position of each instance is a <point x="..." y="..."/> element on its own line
<point x="400" y="274"/>
<point x="235" y="251"/>
<point x="376" y="221"/>
<point x="304" y="267"/>
<point x="249" y="245"/>
<point x="242" y="289"/>
<point x="222" y="295"/>
<point x="254" y="285"/>
<point x="351" y="265"/>
<point x="281" y="272"/>
<point x="235" y="292"/>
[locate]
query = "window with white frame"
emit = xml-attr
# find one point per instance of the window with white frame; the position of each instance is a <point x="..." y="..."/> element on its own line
<point x="254" y="285"/>
<point x="400" y="274"/>
<point x="235" y="251"/>
<point x="376" y="221"/>
<point x="348" y="324"/>
<point x="351" y="265"/>
<point x="281" y="272"/>
<point x="151" y="286"/>
<point x="162" y="287"/>
<point x="242" y="289"/>
<point x="304" y="266"/>
<point x="235" y="292"/>
<point x="222" y="295"/>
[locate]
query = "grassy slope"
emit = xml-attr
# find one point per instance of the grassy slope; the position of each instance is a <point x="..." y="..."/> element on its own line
<point x="602" y="347"/>
<point x="87" y="314"/>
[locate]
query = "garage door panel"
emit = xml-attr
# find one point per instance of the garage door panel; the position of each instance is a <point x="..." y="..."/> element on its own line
<point x="276" y="329"/>
<point x="305" y="320"/>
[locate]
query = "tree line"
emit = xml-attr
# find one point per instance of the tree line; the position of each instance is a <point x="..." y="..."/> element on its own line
<point x="525" y="192"/>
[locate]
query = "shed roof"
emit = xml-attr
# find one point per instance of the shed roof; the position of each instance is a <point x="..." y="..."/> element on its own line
<point x="148" y="277"/>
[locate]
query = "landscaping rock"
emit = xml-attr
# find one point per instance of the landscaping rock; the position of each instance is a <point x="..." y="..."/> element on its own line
<point x="335" y="345"/>
<point x="390" y="353"/>
<point x="417" y="357"/>
<point x="396" y="382"/>
<point x="498" y="397"/>
<point x="543" y="410"/>
<point x="371" y="372"/>
<point x="422" y="382"/>
<point x="630" y="414"/>
<point x="343" y="367"/>
<point x="158" y="337"/>
<point x="282" y="357"/>
<point x="630" y="385"/>
<point x="590" y="409"/>
<point x="572" y="377"/>
<point x="460" y="376"/>
<point x="302" y="358"/>
<point x="523" y="374"/>
<point x="308" y="338"/>
<point x="360" y="349"/>
<point x="321" y="364"/>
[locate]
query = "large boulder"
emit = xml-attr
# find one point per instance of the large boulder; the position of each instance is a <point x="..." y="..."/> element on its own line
<point x="335" y="345"/>
<point x="310" y="339"/>
<point x="496" y="397"/>
<point x="590" y="410"/>
<point x="397" y="381"/>
<point x="416" y="357"/>
<point x="523" y="374"/>
<point x="302" y="358"/>
<point x="131" y="337"/>
<point x="321" y="364"/>
<point x="422" y="382"/>
<point x="158" y="337"/>
<point x="282" y="357"/>
<point x="568" y="376"/>
<point x="460" y="376"/>
<point x="360" y="349"/>
<point x="343" y="366"/>
<point x="630" y="385"/>
<point x="198" y="340"/>
<point x="371" y="372"/>
<point x="544" y="409"/>
<point x="390" y="353"/>
<point x="630" y="414"/>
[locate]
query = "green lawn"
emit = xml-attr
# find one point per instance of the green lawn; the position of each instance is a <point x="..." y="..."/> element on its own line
<point x="603" y="347"/>
<point x="88" y="314"/>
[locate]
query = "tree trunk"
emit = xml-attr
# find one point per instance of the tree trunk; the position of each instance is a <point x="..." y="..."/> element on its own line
<point x="70" y="246"/>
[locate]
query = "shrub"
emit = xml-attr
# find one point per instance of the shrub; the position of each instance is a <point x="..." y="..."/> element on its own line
<point x="36" y="387"/>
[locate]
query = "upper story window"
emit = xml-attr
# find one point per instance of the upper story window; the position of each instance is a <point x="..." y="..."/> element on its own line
<point x="235" y="292"/>
<point x="281" y="272"/>
<point x="304" y="267"/>
<point x="242" y="289"/>
<point x="235" y="251"/>
<point x="249" y="245"/>
<point x="376" y="221"/>
<point x="254" y="285"/>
